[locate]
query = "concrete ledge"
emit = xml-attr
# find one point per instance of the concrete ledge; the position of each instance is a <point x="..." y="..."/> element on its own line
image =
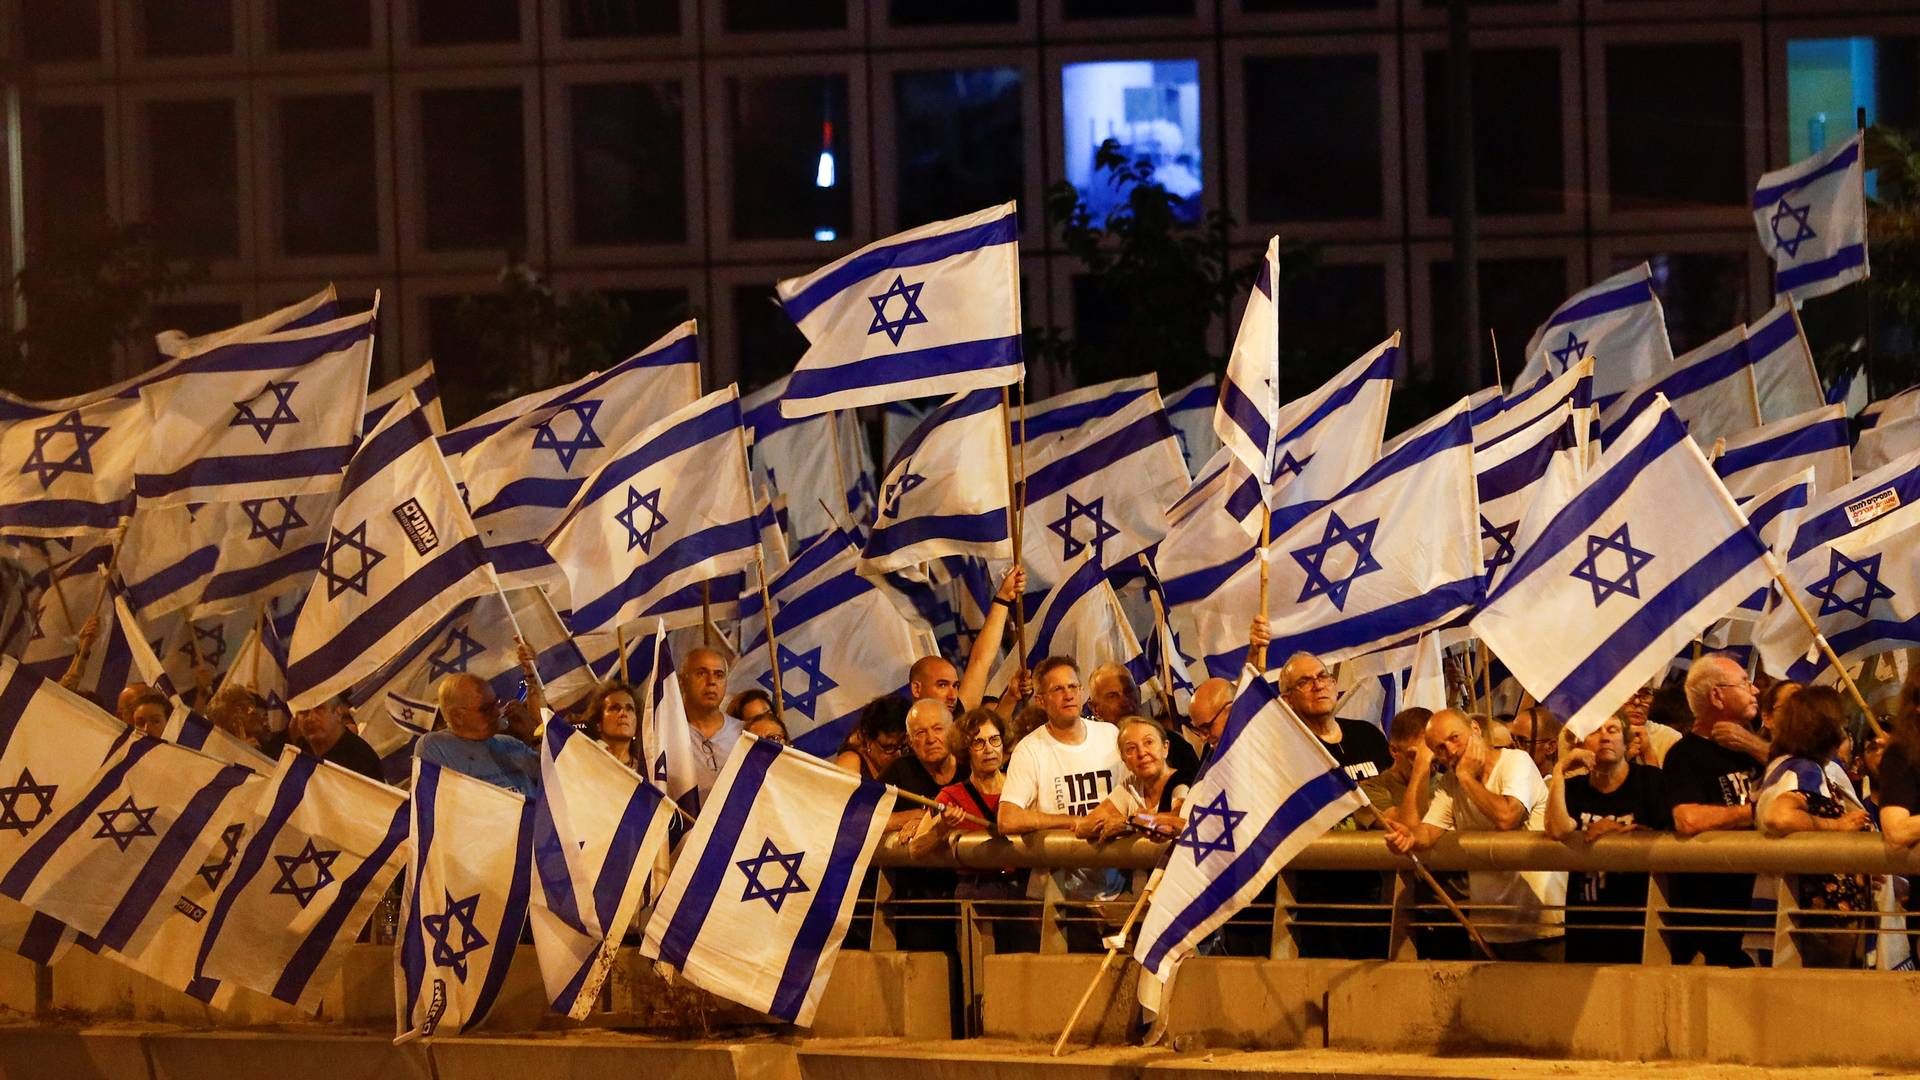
<point x="282" y="1055"/>
<point x="1029" y="997"/>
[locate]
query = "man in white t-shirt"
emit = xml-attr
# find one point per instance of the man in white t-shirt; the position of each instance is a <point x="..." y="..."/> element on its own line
<point x="1486" y="789"/>
<point x="1060" y="774"/>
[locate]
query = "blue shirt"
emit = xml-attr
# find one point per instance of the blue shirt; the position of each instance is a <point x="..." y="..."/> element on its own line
<point x="502" y="760"/>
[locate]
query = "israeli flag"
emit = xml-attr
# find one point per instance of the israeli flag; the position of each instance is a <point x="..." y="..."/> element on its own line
<point x="401" y="553"/>
<point x="169" y="554"/>
<point x="1775" y="517"/>
<point x="321" y="307"/>
<point x="467" y="886"/>
<point x="1783" y="369"/>
<point x="1620" y="580"/>
<point x="1246" y="419"/>
<point x="1511" y="476"/>
<point x="597" y="827"/>
<point x="663" y="726"/>
<point x="325" y="845"/>
<point x="1101" y="490"/>
<point x="898" y="420"/>
<point x="1904" y="405"/>
<point x="670" y="509"/>
<point x="1851" y="564"/>
<point x="1572" y="387"/>
<point x="65" y="471"/>
<point x="761" y="895"/>
<point x="1080" y="617"/>
<point x="1756" y="460"/>
<point x="1270" y="789"/>
<point x="1203" y="554"/>
<point x="277" y="414"/>
<point x="933" y="310"/>
<point x="137" y="831"/>
<point x="1885" y="442"/>
<point x="1191" y="410"/>
<point x="423" y="384"/>
<point x="270" y="546"/>
<point x="1711" y="389"/>
<point x="260" y="662"/>
<point x="803" y="458"/>
<point x="946" y="490"/>
<point x="1812" y="217"/>
<point x="1043" y="423"/>
<point x="1618" y="321"/>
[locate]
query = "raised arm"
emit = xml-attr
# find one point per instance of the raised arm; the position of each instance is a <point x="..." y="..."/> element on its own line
<point x="986" y="646"/>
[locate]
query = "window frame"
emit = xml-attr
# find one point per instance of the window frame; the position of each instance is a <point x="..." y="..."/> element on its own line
<point x="407" y="54"/>
<point x="720" y="42"/>
<point x="1057" y="27"/>
<point x="274" y="261"/>
<point x="606" y="280"/>
<point x="72" y="71"/>
<point x="112" y="132"/>
<point x="1024" y="30"/>
<point x="1491" y="16"/>
<point x="135" y="164"/>
<point x="1235" y="21"/>
<point x="559" y="80"/>
<point x="1422" y="256"/>
<point x="1782" y="31"/>
<point x="414" y="256"/>
<point x="558" y="47"/>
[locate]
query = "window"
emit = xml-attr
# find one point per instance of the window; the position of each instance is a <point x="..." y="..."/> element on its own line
<point x="67" y="186"/>
<point x="791" y="154"/>
<point x="1152" y="109"/>
<point x="60" y="31"/>
<point x="1515" y="294"/>
<point x="193" y="193"/>
<point x="304" y="26"/>
<point x="629" y="152"/>
<point x="1331" y="315"/>
<point x="194" y="319"/>
<point x="960" y="139"/>
<point x="186" y="27"/>
<point x="906" y="13"/>
<point x="474" y="372"/>
<point x="328" y="192"/>
<point x="1676" y="126"/>
<point x="1122" y="9"/>
<point x="1313" y="137"/>
<point x="1704" y="294"/>
<point x="1294" y="7"/>
<point x="473" y="169"/>
<point x="592" y="19"/>
<point x="1519" y="166"/>
<point x="775" y="16"/>
<point x="1828" y="79"/>
<point x="649" y="314"/>
<point x="465" y="22"/>
<point x="765" y="340"/>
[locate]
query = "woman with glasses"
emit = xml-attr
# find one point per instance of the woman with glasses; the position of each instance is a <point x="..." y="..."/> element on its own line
<point x="984" y="735"/>
<point x="878" y="741"/>
<point x="612" y="716"/>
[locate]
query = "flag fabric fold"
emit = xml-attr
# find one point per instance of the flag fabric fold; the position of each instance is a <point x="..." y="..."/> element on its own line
<point x="1618" y="321"/>
<point x="945" y="492"/>
<point x="1101" y="489"/>
<point x="1812" y="218"/>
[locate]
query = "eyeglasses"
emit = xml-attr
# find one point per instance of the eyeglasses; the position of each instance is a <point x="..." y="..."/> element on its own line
<point x="986" y="742"/>
<point x="1305" y="681"/>
<point x="889" y="747"/>
<point x="1194" y="721"/>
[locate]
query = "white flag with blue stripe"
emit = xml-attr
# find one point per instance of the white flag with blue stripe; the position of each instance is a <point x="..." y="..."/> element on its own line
<point x="669" y="510"/>
<point x="1572" y="387"/>
<point x="945" y="492"/>
<point x="1191" y="410"/>
<point x="933" y="310"/>
<point x="277" y="414"/>
<point x="761" y="895"/>
<point x="1775" y="515"/>
<point x="422" y="383"/>
<point x="69" y="470"/>
<point x="1081" y="617"/>
<point x="1045" y="422"/>
<point x="1756" y="460"/>
<point x="1852" y="565"/>
<point x="270" y="546"/>
<point x="1812" y="217"/>
<point x="1270" y="789"/>
<point x="1783" y="370"/>
<point x="169" y="555"/>
<point x="1884" y="442"/>
<point x="324" y="846"/>
<point x="1618" y="321"/>
<point x="1512" y="474"/>
<point x="401" y="553"/>
<point x="1203" y="553"/>
<point x="1324" y="440"/>
<point x="467" y="884"/>
<point x="1711" y="389"/>
<point x="321" y="307"/>
<point x="810" y="461"/>
<point x="1247" y="414"/>
<point x="597" y="827"/>
<point x="664" y="731"/>
<point x="1646" y="556"/>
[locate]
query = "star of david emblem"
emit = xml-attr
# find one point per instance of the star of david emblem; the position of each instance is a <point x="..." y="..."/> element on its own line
<point x="1313" y="559"/>
<point x="263" y="426"/>
<point x="807" y="664"/>
<point x="78" y="459"/>
<point x="275" y="703"/>
<point x="211" y="641"/>
<point x="39" y="614"/>
<point x="777" y="894"/>
<point x="1093" y="511"/>
<point x="1502" y="539"/>
<point x="1217" y="809"/>
<point x="910" y="296"/>
<point x="453" y="653"/>
<point x="453" y="933"/>
<point x="1571" y="353"/>
<point x="217" y="869"/>
<point x="650" y="502"/>
<point x="583" y="438"/>
<point x="322" y="863"/>
<point x="276" y="533"/>
<point x="1632" y="561"/>
<point x="1796" y="216"/>
<point x="1839" y="568"/>
<point x="110" y="829"/>
<point x="354" y="539"/>
<point x="25" y="788"/>
<point x="1289" y="465"/>
<point x="896" y="489"/>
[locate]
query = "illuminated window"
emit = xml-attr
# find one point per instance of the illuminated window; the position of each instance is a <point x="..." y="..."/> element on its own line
<point x="791" y="154"/>
<point x="1152" y="109"/>
<point x="1829" y="79"/>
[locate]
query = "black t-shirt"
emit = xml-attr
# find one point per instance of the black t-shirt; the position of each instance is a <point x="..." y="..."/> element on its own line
<point x="1699" y="770"/>
<point x="1898" y="782"/>
<point x="1362" y="750"/>
<point x="908" y="774"/>
<point x="355" y="754"/>
<point x="1640" y="800"/>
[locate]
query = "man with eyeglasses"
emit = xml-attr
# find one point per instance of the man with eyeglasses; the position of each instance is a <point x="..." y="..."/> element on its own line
<point x="703" y="688"/>
<point x="930" y="766"/>
<point x="1059" y="774"/>
<point x="1710" y="786"/>
<point x="1207" y="714"/>
<point x="472" y="741"/>
<point x="1536" y="732"/>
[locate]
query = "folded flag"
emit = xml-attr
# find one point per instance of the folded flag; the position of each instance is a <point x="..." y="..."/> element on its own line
<point x="801" y="458"/>
<point x="597" y="827"/>
<point x="1812" y="217"/>
<point x="1783" y="368"/>
<point x="321" y="307"/>
<point x="277" y="414"/>
<point x="467" y="884"/>
<point x="1711" y="389"/>
<point x="664" y="726"/>
<point x="1884" y="442"/>
<point x="1511" y="476"/>
<point x="1191" y="410"/>
<point x="933" y="310"/>
<point x="761" y="895"/>
<point x="1618" y="321"/>
<point x="1080" y="617"/>
<point x="1044" y="422"/>
<point x="1246" y="418"/>
<point x="1758" y="459"/>
<point x="945" y="492"/>
<point x="169" y="554"/>
<point x="1619" y="581"/>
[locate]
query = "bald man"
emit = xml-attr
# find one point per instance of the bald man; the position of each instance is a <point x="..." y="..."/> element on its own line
<point x="933" y="677"/>
<point x="1115" y="698"/>
<point x="1207" y="714"/>
<point x="472" y="741"/>
<point x="703" y="686"/>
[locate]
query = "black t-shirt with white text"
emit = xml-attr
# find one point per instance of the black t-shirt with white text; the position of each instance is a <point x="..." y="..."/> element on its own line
<point x="1699" y="770"/>
<point x="1639" y="800"/>
<point x="1362" y="751"/>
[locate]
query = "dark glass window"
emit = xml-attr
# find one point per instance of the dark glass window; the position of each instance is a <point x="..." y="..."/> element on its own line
<point x="475" y="372"/>
<point x="1291" y="7"/>
<point x="792" y="157"/>
<point x="631" y="320"/>
<point x="958" y="134"/>
<point x="1515" y="294"/>
<point x="1517" y="127"/>
<point x="629" y="153"/>
<point x="1124" y="9"/>
<point x="1676" y="126"/>
<point x="473" y="169"/>
<point x="194" y="319"/>
<point x="67" y="187"/>
<point x="328" y="192"/>
<point x="587" y="19"/>
<point x="304" y="26"/>
<point x="954" y="13"/>
<point x="186" y="27"/>
<point x="765" y="340"/>
<point x="1330" y="103"/>
<point x="60" y="31"/>
<point x="465" y="22"/>
<point x="1330" y="316"/>
<point x="193" y="185"/>
<point x="776" y="16"/>
<point x="1703" y="294"/>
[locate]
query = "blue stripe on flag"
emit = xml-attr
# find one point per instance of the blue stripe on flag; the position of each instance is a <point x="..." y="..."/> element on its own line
<point x="1141" y="434"/>
<point x="13" y="702"/>
<point x="683" y="436"/>
<point x="985" y="528"/>
<point x="513" y="918"/>
<point x="31" y="861"/>
<point x="907" y="366"/>
<point x="823" y="914"/>
<point x="1832" y="523"/>
<point x="1629" y="295"/>
<point x="1084" y="579"/>
<point x="617" y="869"/>
<point x="165" y="583"/>
<point x="380" y="617"/>
<point x="1847" y="258"/>
<point x="682" y="553"/>
<point x="1068" y="417"/>
<point x="1883" y="634"/>
<point x="62" y="514"/>
<point x="258" y="468"/>
<point x="1771" y="336"/>
<point x="1397" y="618"/>
<point x="413" y="954"/>
<point x="154" y="874"/>
<point x="1767" y="196"/>
<point x="1521" y="470"/>
<point x="252" y="579"/>
<point x="1381" y="369"/>
<point x="1244" y="414"/>
<point x="383" y="449"/>
<point x="930" y="249"/>
<point x="691" y="914"/>
<point x="552" y="492"/>
<point x="973" y="403"/>
<point x="1825" y="435"/>
<point x="293" y="787"/>
<point x="274" y="355"/>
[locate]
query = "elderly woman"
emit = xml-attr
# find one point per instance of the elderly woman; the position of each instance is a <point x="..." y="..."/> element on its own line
<point x="1151" y="796"/>
<point x="613" y="717"/>
<point x="985" y="736"/>
<point x="1805" y="790"/>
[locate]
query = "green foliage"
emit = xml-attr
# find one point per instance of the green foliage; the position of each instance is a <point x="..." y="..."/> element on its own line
<point x="504" y="334"/>
<point x="1835" y="324"/>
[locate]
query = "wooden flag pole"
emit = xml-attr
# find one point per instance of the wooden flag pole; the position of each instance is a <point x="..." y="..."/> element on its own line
<point x="1016" y="510"/>
<point x="620" y="651"/>
<point x="706" y="610"/>
<point x="1113" y="952"/>
<point x="1434" y="884"/>
<point x="766" y="597"/>
<point x="1166" y="661"/>
<point x="1499" y="379"/>
<point x="1266" y="538"/>
<point x="99" y="602"/>
<point x="1820" y="640"/>
<point x="937" y="807"/>
<point x="1486" y="673"/>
